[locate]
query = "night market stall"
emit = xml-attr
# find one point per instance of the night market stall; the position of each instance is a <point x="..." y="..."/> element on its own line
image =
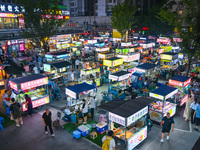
<point x="183" y="85"/>
<point x="57" y="70"/>
<point x="57" y="56"/>
<point x="161" y="107"/>
<point x="34" y="85"/>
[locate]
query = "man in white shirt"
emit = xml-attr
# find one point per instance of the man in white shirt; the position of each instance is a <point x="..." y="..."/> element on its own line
<point x="72" y="76"/>
<point x="111" y="141"/>
<point x="92" y="103"/>
<point x="35" y="69"/>
<point x="77" y="63"/>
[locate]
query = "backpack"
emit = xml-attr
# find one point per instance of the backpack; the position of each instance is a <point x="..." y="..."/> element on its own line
<point x="16" y="108"/>
<point x="106" y="144"/>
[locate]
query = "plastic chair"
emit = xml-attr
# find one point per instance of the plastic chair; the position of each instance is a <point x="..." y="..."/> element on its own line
<point x="102" y="118"/>
<point x="1" y="127"/>
<point x="2" y="120"/>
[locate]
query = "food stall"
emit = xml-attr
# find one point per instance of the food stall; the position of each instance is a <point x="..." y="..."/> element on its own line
<point x="113" y="64"/>
<point x="105" y="55"/>
<point x="169" y="57"/>
<point x="130" y="117"/>
<point x="87" y="75"/>
<point x="129" y="60"/>
<point x="79" y="92"/>
<point x="56" y="56"/>
<point x="56" y="70"/>
<point x="146" y="68"/>
<point x="33" y="85"/>
<point x="159" y="109"/>
<point x="2" y="75"/>
<point x="183" y="84"/>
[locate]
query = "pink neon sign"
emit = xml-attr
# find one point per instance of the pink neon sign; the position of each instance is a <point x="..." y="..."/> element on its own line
<point x="34" y="83"/>
<point x="37" y="103"/>
<point x="187" y="82"/>
<point x="13" y="86"/>
<point x="184" y="100"/>
<point x="176" y="83"/>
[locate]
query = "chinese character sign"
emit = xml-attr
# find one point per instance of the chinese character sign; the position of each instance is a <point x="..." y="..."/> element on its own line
<point x="175" y="83"/>
<point x="13" y="86"/>
<point x="70" y="93"/>
<point x="34" y="83"/>
<point x="117" y="119"/>
<point x="10" y="8"/>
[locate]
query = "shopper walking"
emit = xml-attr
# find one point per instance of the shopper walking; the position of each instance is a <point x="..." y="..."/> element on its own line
<point x="193" y="108"/>
<point x="29" y="104"/>
<point x="187" y="111"/>
<point x="77" y="63"/>
<point x="47" y="120"/>
<point x="85" y="111"/>
<point x="108" y="143"/>
<point x="15" y="111"/>
<point x="197" y="116"/>
<point x="92" y="103"/>
<point x="166" y="123"/>
<point x="73" y="63"/>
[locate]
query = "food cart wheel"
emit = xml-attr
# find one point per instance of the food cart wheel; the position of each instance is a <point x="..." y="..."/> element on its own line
<point x="56" y="123"/>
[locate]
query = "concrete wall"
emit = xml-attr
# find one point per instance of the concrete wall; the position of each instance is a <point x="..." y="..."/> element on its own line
<point x="101" y="20"/>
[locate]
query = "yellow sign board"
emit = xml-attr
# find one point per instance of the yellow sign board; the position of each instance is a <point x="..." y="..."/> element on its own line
<point x="117" y="62"/>
<point x="107" y="63"/>
<point x="166" y="57"/>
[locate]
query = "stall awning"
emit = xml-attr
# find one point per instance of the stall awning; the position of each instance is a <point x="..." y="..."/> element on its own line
<point x="112" y="104"/>
<point x="178" y="80"/>
<point x="60" y="64"/>
<point x="113" y="58"/>
<point x="163" y="92"/>
<point x="72" y="91"/>
<point x="60" y="53"/>
<point x="119" y="76"/>
<point x="146" y="66"/>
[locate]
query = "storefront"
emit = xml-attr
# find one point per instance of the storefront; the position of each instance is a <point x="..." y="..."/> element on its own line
<point x="11" y="17"/>
<point x="183" y="84"/>
<point x="159" y="109"/>
<point x="13" y="46"/>
<point x="34" y="86"/>
<point x="130" y="118"/>
<point x="88" y="74"/>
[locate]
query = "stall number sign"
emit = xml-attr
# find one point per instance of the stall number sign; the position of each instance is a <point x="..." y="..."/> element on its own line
<point x="175" y="83"/>
<point x="107" y="63"/>
<point x="137" y="138"/>
<point x="187" y="82"/>
<point x="156" y="96"/>
<point x="137" y="116"/>
<point x="117" y="62"/>
<point x="183" y="101"/>
<point x="90" y="71"/>
<point x="70" y="93"/>
<point x="13" y="86"/>
<point x="117" y="119"/>
<point x="34" y="83"/>
<point x="37" y="103"/>
<point x="167" y="57"/>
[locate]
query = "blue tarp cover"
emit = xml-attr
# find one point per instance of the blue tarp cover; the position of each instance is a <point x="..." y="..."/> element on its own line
<point x="120" y="73"/>
<point x="180" y="78"/>
<point x="79" y="88"/>
<point x="146" y="66"/>
<point x="27" y="78"/>
<point x="163" y="90"/>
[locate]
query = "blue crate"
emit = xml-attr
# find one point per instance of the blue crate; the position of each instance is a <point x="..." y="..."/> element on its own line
<point x="101" y="129"/>
<point x="84" y="130"/>
<point x="76" y="134"/>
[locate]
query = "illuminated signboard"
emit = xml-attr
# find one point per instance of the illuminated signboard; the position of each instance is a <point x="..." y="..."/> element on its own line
<point x="34" y="83"/>
<point x="85" y="72"/>
<point x="102" y="49"/>
<point x="70" y="93"/>
<point x="48" y="56"/>
<point x="171" y="94"/>
<point x="156" y="96"/>
<point x="126" y="44"/>
<point x="107" y="63"/>
<point x="112" y="77"/>
<point x="13" y="86"/>
<point x="140" y="70"/>
<point x="187" y="82"/>
<point x="117" y="119"/>
<point x="11" y="8"/>
<point x="102" y="56"/>
<point x="47" y="67"/>
<point x="137" y="138"/>
<point x="117" y="62"/>
<point x="183" y="101"/>
<point x="63" y="56"/>
<point x="137" y="116"/>
<point x="92" y="41"/>
<point x="175" y="83"/>
<point x="37" y="103"/>
<point x="166" y="57"/>
<point x="177" y="39"/>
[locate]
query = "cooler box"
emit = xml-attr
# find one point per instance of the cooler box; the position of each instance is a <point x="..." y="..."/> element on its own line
<point x="84" y="130"/>
<point x="101" y="127"/>
<point x="77" y="134"/>
<point x="73" y="118"/>
<point x="89" y="126"/>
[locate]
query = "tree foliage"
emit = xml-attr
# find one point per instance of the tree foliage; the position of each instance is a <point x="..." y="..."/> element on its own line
<point x="39" y="28"/>
<point x="187" y="22"/>
<point x="123" y="17"/>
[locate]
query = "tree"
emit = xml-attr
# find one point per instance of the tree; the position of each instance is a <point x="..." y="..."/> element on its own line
<point x="123" y="17"/>
<point x="41" y="21"/>
<point x="187" y="22"/>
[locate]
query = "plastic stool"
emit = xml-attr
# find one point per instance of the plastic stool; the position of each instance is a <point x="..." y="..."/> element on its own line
<point x="1" y="127"/>
<point x="2" y="120"/>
